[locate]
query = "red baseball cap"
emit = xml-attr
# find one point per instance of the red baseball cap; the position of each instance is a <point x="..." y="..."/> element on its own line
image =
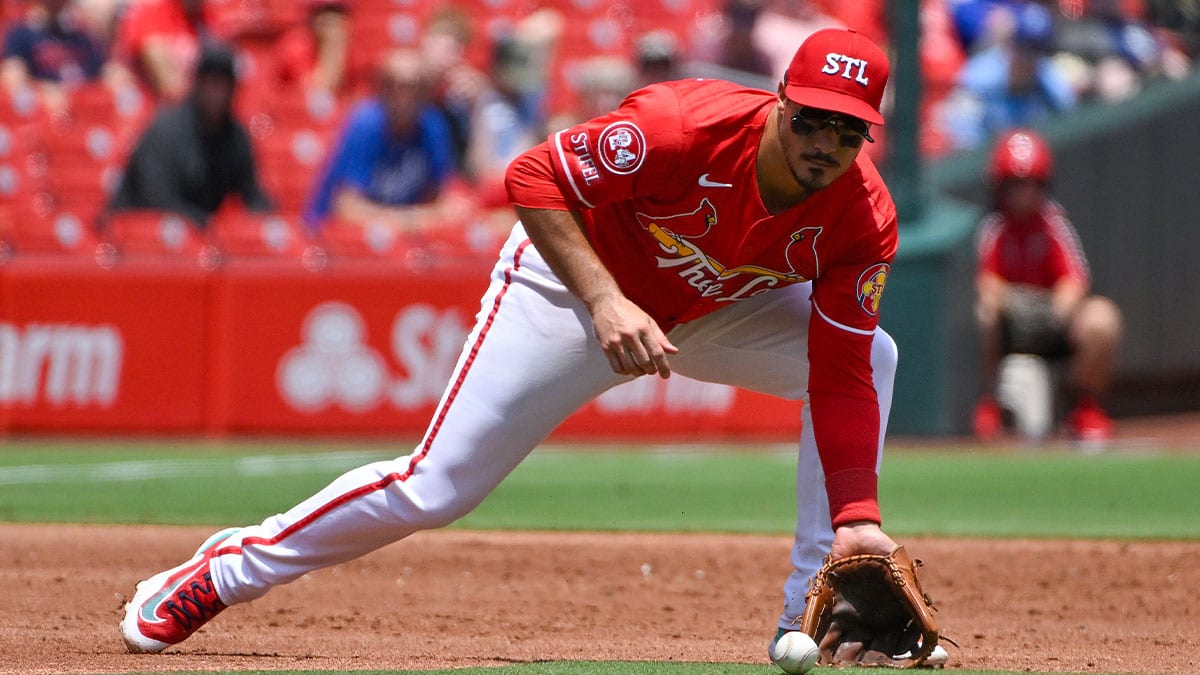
<point x="839" y="70"/>
<point x="1021" y="153"/>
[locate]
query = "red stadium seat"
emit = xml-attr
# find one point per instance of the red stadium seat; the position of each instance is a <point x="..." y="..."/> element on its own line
<point x="239" y="233"/>
<point x="289" y="189"/>
<point x="255" y="17"/>
<point x="13" y="10"/>
<point x="150" y="232"/>
<point x="18" y="156"/>
<point x="101" y="103"/>
<point x="21" y="106"/>
<point x="89" y="142"/>
<point x="65" y="232"/>
<point x="352" y="240"/>
<point x="293" y="107"/>
<point x="378" y="32"/>
<point x="290" y="159"/>
<point x="76" y="161"/>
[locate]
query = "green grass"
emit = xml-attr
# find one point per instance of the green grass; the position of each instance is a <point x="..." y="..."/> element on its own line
<point x="1043" y="495"/>
<point x="974" y="493"/>
<point x="990" y="494"/>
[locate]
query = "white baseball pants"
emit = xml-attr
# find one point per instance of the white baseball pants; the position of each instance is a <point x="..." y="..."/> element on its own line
<point x="530" y="361"/>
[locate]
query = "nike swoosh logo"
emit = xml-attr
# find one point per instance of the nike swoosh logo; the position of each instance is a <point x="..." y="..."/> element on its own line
<point x="147" y="611"/>
<point x="705" y="182"/>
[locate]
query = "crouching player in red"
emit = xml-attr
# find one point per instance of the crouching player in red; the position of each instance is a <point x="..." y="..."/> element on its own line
<point x="732" y="235"/>
<point x="1033" y="289"/>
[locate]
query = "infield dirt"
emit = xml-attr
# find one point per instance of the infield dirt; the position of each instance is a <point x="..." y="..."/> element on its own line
<point x="458" y="599"/>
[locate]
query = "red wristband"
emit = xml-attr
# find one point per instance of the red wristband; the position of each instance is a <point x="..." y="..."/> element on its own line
<point x="853" y="495"/>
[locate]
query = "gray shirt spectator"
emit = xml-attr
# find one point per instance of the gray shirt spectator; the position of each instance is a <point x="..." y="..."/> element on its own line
<point x="194" y="154"/>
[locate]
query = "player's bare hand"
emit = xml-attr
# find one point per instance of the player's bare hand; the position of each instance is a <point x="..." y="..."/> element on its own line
<point x="631" y="339"/>
<point x="860" y="538"/>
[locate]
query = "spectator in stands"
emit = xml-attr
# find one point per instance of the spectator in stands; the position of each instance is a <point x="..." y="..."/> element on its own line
<point x="509" y="116"/>
<point x="784" y="23"/>
<point x="731" y="44"/>
<point x="1113" y="51"/>
<point x="195" y="154"/>
<point x="158" y="42"/>
<point x="99" y="19"/>
<point x="602" y="82"/>
<point x="453" y="83"/>
<point x="317" y="54"/>
<point x="1033" y="289"/>
<point x="1178" y="21"/>
<point x="869" y="17"/>
<point x="507" y="119"/>
<point x="49" y="48"/>
<point x="658" y="57"/>
<point x="1009" y="81"/>
<point x="394" y="158"/>
<point x="942" y="56"/>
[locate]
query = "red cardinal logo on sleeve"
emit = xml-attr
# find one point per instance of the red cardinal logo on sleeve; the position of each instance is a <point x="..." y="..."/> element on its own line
<point x="870" y="287"/>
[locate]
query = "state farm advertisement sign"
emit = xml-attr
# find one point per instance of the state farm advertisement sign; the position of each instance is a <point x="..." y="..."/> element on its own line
<point x="273" y="348"/>
<point x="83" y="348"/>
<point x="60" y="364"/>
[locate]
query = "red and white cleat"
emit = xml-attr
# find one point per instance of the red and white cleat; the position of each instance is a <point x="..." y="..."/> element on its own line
<point x="170" y="606"/>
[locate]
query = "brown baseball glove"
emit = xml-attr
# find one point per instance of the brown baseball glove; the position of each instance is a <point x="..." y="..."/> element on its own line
<point x="1031" y="325"/>
<point x="869" y="610"/>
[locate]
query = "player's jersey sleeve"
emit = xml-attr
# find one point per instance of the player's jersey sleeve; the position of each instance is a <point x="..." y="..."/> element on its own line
<point x="842" y="395"/>
<point x="846" y="299"/>
<point x="1066" y="258"/>
<point x="987" y="244"/>
<point x="627" y="153"/>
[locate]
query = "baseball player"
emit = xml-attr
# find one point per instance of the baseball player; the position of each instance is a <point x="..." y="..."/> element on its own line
<point x="1033" y="289"/>
<point x="733" y="235"/>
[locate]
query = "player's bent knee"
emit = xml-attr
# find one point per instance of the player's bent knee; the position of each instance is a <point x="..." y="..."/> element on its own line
<point x="440" y="512"/>
<point x="884" y="355"/>
<point x="1098" y="321"/>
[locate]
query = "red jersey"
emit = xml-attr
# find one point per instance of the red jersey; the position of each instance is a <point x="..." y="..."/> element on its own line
<point x="161" y="20"/>
<point x="1040" y="251"/>
<point x="666" y="187"/>
<point x="296" y="59"/>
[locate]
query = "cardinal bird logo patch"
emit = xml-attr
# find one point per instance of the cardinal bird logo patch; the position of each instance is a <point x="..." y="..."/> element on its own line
<point x="870" y="287"/>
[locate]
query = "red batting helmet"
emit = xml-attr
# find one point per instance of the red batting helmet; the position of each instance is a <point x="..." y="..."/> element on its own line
<point x="1021" y="153"/>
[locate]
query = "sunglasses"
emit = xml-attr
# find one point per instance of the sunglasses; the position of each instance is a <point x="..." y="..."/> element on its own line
<point x="850" y="131"/>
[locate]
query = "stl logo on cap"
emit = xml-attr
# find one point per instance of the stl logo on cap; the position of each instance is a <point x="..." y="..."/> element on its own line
<point x="833" y="64"/>
<point x="841" y="71"/>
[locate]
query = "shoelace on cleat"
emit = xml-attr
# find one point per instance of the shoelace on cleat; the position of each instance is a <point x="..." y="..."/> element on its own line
<point x="194" y="603"/>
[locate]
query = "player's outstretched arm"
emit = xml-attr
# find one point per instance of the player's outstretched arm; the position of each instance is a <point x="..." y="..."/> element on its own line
<point x="630" y="338"/>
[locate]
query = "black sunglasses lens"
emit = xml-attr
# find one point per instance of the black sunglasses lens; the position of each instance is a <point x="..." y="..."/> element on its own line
<point x="850" y="140"/>
<point x="808" y="122"/>
<point x="802" y="126"/>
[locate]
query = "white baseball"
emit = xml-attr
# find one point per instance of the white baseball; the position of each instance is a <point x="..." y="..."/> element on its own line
<point x="795" y="653"/>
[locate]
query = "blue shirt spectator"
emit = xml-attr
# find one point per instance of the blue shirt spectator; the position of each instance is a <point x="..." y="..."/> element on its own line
<point x="384" y="167"/>
<point x="1015" y="88"/>
<point x="394" y="159"/>
<point x="49" y="47"/>
<point x="1010" y="81"/>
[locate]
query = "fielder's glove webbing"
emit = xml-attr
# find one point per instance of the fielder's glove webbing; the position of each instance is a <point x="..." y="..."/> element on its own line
<point x="869" y="610"/>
